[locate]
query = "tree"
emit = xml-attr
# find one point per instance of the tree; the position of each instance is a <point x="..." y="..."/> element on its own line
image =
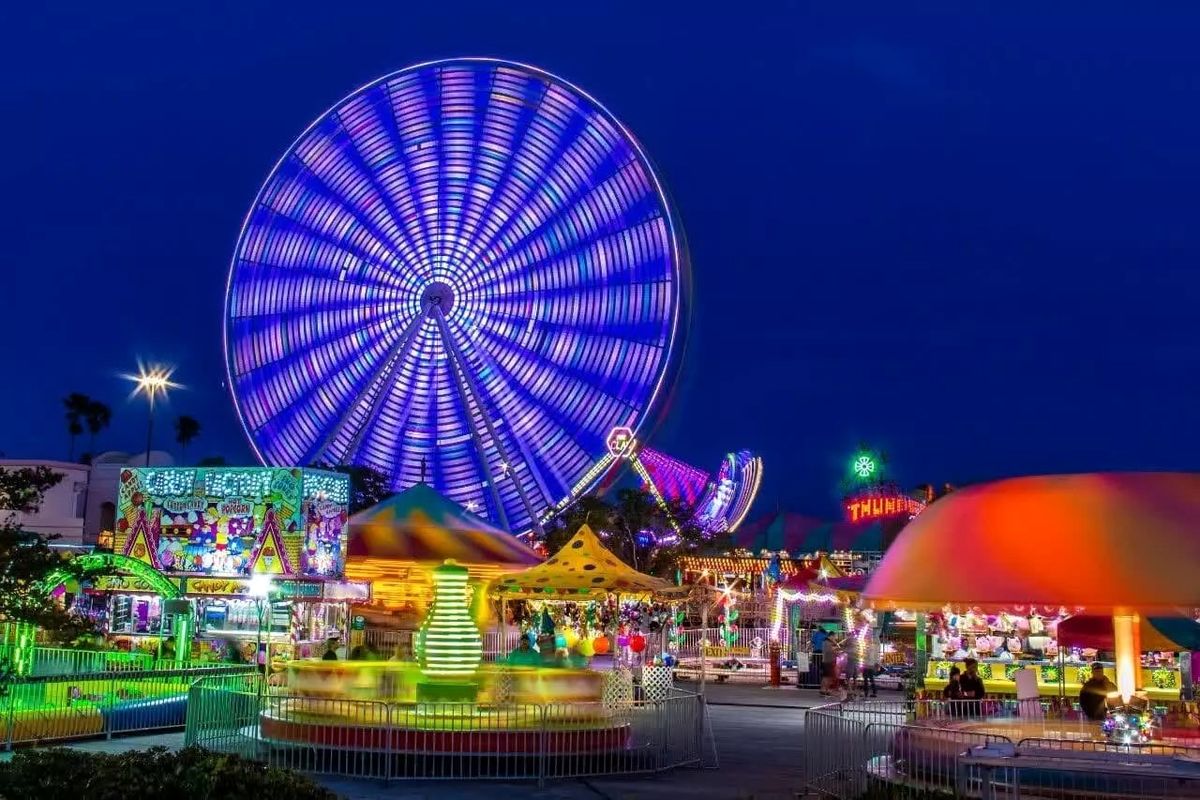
<point x="97" y="416"/>
<point x="368" y="487"/>
<point x="186" y="429"/>
<point x="26" y="559"/>
<point x="77" y="406"/>
<point x="212" y="461"/>
<point x="639" y="531"/>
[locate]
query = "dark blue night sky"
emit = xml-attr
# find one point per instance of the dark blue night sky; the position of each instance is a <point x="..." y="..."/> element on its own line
<point x="968" y="238"/>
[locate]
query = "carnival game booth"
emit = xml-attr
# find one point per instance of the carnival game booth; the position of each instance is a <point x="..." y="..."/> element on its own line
<point x="258" y="553"/>
<point x="396" y="544"/>
<point x="1134" y="553"/>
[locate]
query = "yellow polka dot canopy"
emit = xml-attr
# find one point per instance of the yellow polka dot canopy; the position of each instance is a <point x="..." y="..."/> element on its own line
<point x="583" y="569"/>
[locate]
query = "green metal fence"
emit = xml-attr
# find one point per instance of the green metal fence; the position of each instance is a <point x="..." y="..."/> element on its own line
<point x="51" y="708"/>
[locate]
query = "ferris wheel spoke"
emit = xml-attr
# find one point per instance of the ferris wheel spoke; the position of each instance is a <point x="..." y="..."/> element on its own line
<point x="472" y="387"/>
<point x="533" y="186"/>
<point x="339" y="179"/>
<point x="311" y="385"/>
<point x="296" y="248"/>
<point x="575" y="404"/>
<point x="600" y="218"/>
<point x="356" y="421"/>
<point x="414" y="172"/>
<point x="474" y="138"/>
<point x="518" y="414"/>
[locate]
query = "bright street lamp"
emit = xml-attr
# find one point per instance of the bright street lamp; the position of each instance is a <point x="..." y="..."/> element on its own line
<point x="152" y="382"/>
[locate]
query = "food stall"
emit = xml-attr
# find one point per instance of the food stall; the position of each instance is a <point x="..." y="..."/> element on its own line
<point x="258" y="551"/>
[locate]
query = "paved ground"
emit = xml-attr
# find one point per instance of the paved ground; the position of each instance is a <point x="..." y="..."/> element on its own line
<point x="757" y="734"/>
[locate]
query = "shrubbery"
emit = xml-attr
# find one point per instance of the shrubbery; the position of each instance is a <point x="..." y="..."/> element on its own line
<point x="156" y="774"/>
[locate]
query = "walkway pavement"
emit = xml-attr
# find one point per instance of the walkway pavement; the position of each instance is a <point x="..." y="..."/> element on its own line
<point x="758" y="739"/>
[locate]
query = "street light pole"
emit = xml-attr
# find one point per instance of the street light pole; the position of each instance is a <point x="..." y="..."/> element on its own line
<point x="149" y="429"/>
<point x="152" y="382"/>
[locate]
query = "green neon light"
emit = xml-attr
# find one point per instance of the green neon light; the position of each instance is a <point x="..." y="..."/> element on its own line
<point x="453" y="647"/>
<point x="93" y="562"/>
<point x="863" y="467"/>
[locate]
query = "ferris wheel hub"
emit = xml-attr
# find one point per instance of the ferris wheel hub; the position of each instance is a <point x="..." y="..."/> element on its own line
<point x="438" y="294"/>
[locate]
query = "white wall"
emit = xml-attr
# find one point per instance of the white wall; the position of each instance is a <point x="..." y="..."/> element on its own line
<point x="62" y="510"/>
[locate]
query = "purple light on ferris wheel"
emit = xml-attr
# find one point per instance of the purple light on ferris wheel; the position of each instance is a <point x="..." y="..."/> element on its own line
<point x="675" y="480"/>
<point x="465" y="273"/>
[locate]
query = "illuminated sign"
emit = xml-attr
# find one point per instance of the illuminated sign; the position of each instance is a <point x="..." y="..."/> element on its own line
<point x="234" y="521"/>
<point x="129" y="584"/>
<point x="620" y="441"/>
<point x="880" y="506"/>
<point x="217" y="586"/>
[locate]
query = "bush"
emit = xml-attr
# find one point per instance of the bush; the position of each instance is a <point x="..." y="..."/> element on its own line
<point x="156" y="774"/>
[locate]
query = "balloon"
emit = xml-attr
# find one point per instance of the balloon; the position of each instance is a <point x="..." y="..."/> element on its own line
<point x="587" y="648"/>
<point x="622" y="640"/>
<point x="668" y="660"/>
<point x="637" y="643"/>
<point x="571" y="636"/>
<point x="560" y="641"/>
<point x="600" y="645"/>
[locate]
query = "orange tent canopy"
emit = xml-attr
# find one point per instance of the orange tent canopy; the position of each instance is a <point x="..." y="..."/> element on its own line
<point x="1104" y="543"/>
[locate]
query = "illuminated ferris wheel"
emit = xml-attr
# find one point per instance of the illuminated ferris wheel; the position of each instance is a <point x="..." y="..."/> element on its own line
<point x="465" y="273"/>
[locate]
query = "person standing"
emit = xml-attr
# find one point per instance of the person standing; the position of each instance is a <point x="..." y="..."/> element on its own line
<point x="1093" y="695"/>
<point x="972" y="688"/>
<point x="829" y="656"/>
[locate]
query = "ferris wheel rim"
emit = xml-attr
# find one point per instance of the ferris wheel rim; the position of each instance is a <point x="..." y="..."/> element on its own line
<point x="679" y="269"/>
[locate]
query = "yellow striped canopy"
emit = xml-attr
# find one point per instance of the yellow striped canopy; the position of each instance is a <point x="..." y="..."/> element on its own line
<point x="584" y="569"/>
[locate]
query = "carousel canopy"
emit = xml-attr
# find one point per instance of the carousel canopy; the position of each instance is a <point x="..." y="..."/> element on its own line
<point x="1107" y="542"/>
<point x="420" y="525"/>
<point x="798" y="534"/>
<point x="582" y="569"/>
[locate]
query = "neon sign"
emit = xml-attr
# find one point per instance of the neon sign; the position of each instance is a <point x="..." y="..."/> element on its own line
<point x="864" y="467"/>
<point x="880" y="506"/>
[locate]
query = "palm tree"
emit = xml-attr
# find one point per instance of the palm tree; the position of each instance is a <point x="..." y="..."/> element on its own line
<point x="97" y="416"/>
<point x="186" y="429"/>
<point x="77" y="406"/>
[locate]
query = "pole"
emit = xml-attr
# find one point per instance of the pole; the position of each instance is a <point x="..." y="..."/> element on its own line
<point x="149" y="427"/>
<point x="703" y="636"/>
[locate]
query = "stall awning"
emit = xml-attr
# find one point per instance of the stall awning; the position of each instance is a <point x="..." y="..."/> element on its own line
<point x="1170" y="634"/>
<point x="1093" y="543"/>
<point x="582" y="569"/>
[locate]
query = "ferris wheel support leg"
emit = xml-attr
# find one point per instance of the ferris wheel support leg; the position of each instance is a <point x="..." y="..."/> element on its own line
<point x="456" y="354"/>
<point x="475" y="437"/>
<point x="388" y="372"/>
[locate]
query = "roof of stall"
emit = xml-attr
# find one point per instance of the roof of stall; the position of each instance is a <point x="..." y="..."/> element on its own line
<point x="1102" y="542"/>
<point x="582" y="568"/>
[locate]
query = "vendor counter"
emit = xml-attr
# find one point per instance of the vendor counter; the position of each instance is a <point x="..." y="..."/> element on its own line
<point x="1159" y="683"/>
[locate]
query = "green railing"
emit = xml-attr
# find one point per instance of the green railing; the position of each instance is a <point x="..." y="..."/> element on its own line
<point x="50" y="708"/>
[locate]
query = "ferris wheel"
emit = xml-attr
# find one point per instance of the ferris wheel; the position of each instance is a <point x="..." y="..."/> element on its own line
<point x="465" y="274"/>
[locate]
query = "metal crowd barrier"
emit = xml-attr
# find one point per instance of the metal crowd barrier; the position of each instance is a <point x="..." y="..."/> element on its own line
<point x="448" y="741"/>
<point x="906" y="748"/>
<point x="41" y="709"/>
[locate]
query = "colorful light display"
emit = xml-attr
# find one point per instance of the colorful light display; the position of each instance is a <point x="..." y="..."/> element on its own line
<point x="885" y="502"/>
<point x="721" y="501"/>
<point x="234" y="521"/>
<point x="464" y="274"/>
<point x="451" y="645"/>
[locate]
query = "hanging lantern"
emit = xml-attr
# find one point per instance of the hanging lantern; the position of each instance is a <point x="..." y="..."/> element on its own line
<point x="452" y="645"/>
